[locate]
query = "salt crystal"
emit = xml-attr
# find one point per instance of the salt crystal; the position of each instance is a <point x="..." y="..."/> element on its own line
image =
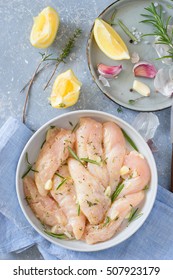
<point x="133" y="28"/>
<point x="26" y="61"/>
<point x="135" y="57"/>
<point x="156" y="4"/>
<point x="163" y="81"/>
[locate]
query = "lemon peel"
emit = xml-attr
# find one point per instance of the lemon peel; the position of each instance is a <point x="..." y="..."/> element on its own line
<point x="44" y="28"/>
<point x="65" y="91"/>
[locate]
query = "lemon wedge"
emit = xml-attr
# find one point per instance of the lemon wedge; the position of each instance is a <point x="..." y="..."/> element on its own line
<point x="44" y="28"/>
<point x="109" y="41"/>
<point x="65" y="91"/>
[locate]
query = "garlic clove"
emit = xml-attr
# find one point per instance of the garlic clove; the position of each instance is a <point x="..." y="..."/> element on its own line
<point x="109" y="71"/>
<point x="144" y="69"/>
<point x="48" y="186"/>
<point x="141" y="88"/>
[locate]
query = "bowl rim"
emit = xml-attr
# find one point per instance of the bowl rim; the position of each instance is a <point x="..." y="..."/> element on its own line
<point x="103" y="244"/>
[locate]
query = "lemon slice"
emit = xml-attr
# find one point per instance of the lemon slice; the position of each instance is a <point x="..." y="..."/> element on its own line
<point x="44" y="28"/>
<point x="65" y="91"/>
<point x="109" y="41"/>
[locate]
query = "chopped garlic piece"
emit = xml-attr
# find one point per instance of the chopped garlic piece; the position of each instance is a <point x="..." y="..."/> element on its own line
<point x="141" y="156"/>
<point x="135" y="173"/>
<point x="114" y="215"/>
<point x="68" y="234"/>
<point x="54" y="229"/>
<point x="108" y="191"/>
<point x="48" y="185"/>
<point x="141" y="88"/>
<point x="124" y="170"/>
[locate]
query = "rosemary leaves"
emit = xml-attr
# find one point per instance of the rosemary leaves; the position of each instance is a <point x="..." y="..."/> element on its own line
<point x="29" y="168"/>
<point x="157" y="19"/>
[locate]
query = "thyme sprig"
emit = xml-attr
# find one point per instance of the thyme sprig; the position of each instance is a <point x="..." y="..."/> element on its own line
<point x="48" y="57"/>
<point x="29" y="168"/>
<point x="44" y="57"/>
<point x="64" y="54"/>
<point x="133" y="101"/>
<point x="156" y="18"/>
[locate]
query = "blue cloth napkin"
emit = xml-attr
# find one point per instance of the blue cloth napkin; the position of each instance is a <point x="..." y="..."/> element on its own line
<point x="154" y="240"/>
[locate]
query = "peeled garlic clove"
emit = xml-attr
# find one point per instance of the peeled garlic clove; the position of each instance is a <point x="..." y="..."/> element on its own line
<point x="141" y="88"/>
<point x="109" y="71"/>
<point x="144" y="69"/>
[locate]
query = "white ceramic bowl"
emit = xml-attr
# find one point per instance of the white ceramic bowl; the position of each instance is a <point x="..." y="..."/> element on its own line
<point x="33" y="148"/>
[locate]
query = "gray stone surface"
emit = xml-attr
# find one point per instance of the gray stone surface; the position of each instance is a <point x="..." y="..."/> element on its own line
<point x="19" y="60"/>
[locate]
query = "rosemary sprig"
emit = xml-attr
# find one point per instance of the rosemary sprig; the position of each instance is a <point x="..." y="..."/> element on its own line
<point x="75" y="127"/>
<point x="78" y="210"/>
<point x="90" y="161"/>
<point x="74" y="155"/>
<point x="59" y="236"/>
<point x="30" y="166"/>
<point x="107" y="221"/>
<point x="64" y="54"/>
<point x="57" y="174"/>
<point x="129" y="140"/>
<point x="156" y="18"/>
<point x="117" y="191"/>
<point x="127" y="31"/>
<point x="62" y="182"/>
<point x="134" y="215"/>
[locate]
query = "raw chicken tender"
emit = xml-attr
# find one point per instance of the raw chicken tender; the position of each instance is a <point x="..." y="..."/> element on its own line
<point x="45" y="208"/>
<point x="53" y="154"/>
<point x="89" y="138"/>
<point x="116" y="215"/>
<point x="90" y="193"/>
<point x="115" y="149"/>
<point x="65" y="195"/>
<point x="139" y="175"/>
